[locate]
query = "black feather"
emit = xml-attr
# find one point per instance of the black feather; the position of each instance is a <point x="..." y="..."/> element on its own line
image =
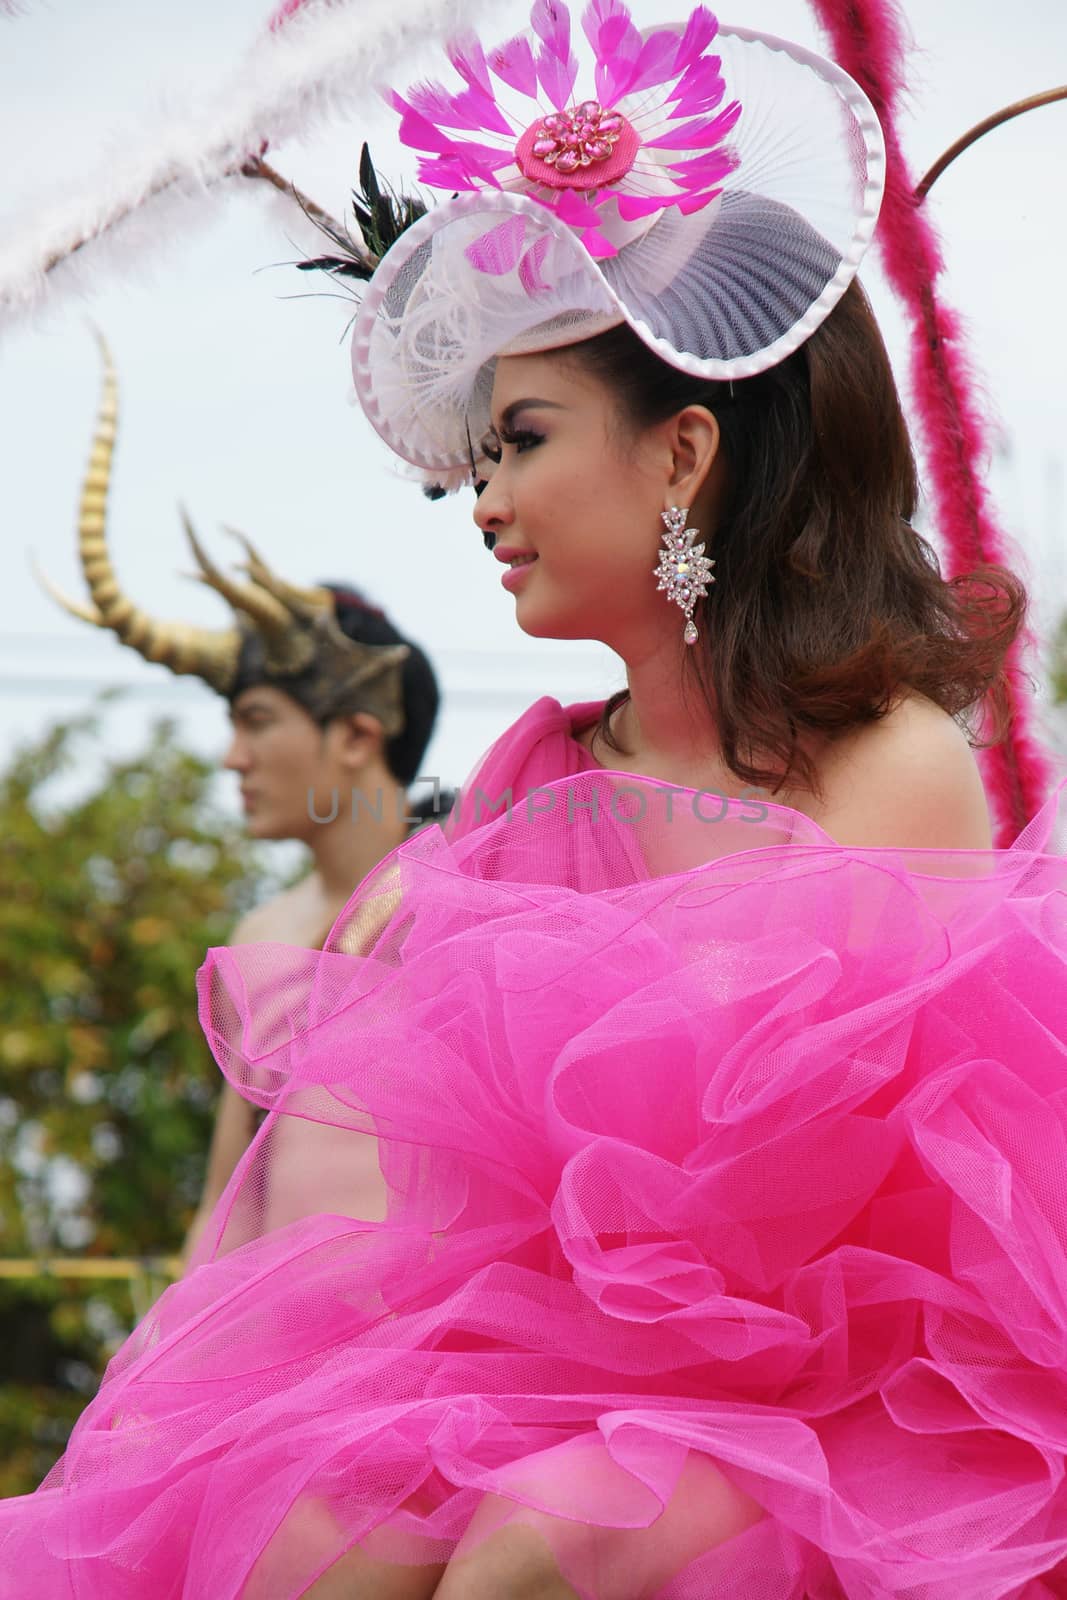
<point x="340" y="266"/>
<point x="368" y="178"/>
<point x="381" y="213"/>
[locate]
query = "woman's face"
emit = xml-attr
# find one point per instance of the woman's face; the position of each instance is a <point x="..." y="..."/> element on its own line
<point x="580" y="492"/>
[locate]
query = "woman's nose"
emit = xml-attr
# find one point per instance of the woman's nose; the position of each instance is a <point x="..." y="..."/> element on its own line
<point x="492" y="509"/>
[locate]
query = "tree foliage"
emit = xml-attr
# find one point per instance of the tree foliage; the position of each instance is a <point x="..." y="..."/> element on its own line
<point x="107" y="1089"/>
<point x="1059" y="664"/>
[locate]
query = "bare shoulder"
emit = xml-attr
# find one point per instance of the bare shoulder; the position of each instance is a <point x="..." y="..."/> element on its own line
<point x="274" y="919"/>
<point x="910" y="780"/>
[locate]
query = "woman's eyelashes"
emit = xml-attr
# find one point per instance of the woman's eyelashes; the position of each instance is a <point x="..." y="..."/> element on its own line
<point x="522" y="439"/>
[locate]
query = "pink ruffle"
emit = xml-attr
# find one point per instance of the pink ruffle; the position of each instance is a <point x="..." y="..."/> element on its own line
<point x="721" y="1161"/>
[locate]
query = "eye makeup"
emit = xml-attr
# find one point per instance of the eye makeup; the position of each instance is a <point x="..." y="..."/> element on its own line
<point x="521" y="438"/>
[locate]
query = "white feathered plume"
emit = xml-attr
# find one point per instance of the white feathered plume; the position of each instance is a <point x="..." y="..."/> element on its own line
<point x="325" y="62"/>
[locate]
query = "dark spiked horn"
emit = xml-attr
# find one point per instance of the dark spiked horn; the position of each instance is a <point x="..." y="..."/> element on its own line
<point x="304" y="603"/>
<point x="287" y="649"/>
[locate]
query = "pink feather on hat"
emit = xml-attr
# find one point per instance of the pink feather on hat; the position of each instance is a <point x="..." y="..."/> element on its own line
<point x="656" y="135"/>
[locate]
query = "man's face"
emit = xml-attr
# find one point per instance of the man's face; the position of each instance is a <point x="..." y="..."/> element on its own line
<point x="280" y="753"/>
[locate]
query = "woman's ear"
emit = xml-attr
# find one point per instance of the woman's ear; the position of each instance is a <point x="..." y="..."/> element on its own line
<point x="694" y="441"/>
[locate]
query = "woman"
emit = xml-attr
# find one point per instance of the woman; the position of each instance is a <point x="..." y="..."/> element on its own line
<point x="807" y="479"/>
<point x="715" y="1059"/>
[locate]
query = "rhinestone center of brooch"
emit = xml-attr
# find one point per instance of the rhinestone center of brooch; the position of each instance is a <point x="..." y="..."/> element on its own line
<point x="585" y="147"/>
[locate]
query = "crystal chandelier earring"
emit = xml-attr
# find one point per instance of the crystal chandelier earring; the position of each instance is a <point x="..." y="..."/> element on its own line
<point x="684" y="570"/>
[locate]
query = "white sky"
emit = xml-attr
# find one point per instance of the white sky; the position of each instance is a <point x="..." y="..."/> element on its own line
<point x="236" y="399"/>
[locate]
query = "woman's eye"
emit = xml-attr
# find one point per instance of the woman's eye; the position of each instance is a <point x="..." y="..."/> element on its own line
<point x="522" y="441"/>
<point x="519" y="441"/>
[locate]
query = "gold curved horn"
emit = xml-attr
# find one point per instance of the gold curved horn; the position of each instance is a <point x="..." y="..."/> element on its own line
<point x="306" y="603"/>
<point x="259" y="605"/>
<point x="74" y="607"/>
<point x="199" y="652"/>
<point x="287" y="649"/>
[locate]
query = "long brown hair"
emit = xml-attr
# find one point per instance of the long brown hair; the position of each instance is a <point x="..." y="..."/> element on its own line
<point x="827" y="603"/>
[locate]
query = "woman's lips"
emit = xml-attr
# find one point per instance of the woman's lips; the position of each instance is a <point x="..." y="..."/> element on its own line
<point x="517" y="562"/>
<point x="517" y="575"/>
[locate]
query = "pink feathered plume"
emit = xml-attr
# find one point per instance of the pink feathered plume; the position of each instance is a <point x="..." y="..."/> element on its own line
<point x="557" y="64"/>
<point x="867" y="38"/>
<point x="286" y="10"/>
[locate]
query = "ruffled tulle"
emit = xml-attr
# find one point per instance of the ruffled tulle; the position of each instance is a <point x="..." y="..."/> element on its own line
<point x="725" y="1171"/>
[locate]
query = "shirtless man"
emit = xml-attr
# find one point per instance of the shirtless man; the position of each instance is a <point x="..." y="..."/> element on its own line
<point x="332" y="710"/>
<point x="340" y="788"/>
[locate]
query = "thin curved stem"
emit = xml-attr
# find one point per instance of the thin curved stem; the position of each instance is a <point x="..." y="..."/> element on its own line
<point x="256" y="167"/>
<point x="1033" y="103"/>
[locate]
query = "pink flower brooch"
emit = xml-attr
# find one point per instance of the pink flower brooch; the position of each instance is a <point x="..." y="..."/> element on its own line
<point x="653" y="133"/>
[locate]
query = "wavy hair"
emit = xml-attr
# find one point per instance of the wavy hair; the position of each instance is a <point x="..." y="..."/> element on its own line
<point x="827" y="604"/>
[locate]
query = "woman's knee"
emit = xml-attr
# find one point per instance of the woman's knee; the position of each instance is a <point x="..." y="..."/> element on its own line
<point x="357" y="1577"/>
<point x="513" y="1553"/>
<point x="512" y="1563"/>
<point x="307" y="1555"/>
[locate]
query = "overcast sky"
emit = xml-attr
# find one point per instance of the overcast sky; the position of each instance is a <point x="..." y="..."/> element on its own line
<point x="236" y="399"/>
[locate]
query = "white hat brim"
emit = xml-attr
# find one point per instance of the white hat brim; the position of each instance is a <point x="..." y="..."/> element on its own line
<point x="723" y="293"/>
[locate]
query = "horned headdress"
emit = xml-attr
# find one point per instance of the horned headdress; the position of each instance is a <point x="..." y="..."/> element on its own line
<point x="282" y="635"/>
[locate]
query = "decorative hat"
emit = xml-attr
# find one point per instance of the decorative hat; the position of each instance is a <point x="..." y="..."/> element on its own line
<point x="283" y="635"/>
<point x="713" y="187"/>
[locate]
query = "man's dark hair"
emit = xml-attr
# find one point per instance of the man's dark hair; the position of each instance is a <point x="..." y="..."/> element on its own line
<point x="367" y="624"/>
<point x="361" y="620"/>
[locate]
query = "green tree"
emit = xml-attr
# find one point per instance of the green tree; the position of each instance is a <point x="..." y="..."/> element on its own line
<point x="1059" y="664"/>
<point x="107" y="1088"/>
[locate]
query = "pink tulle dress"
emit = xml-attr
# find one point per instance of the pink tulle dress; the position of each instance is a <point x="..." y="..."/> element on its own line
<point x="725" y="1171"/>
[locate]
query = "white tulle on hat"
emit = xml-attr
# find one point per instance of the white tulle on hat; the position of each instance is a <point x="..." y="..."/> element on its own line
<point x="719" y="203"/>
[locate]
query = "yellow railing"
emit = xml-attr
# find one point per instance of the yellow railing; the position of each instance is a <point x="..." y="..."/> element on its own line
<point x="167" y="1267"/>
<point x="147" y="1277"/>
